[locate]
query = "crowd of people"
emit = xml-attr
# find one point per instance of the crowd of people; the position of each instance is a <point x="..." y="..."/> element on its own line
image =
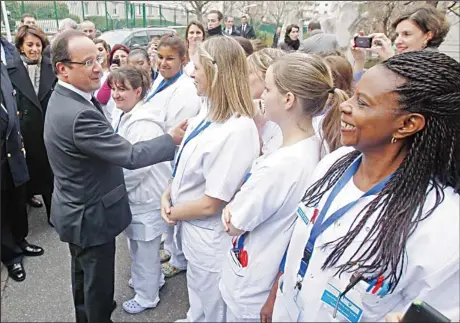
<point x="289" y="184"/>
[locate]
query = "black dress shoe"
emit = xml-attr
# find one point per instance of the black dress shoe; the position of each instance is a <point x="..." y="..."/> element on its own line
<point x="30" y="249"/>
<point x="16" y="271"/>
<point x="33" y="202"/>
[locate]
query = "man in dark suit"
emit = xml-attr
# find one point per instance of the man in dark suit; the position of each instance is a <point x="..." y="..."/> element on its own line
<point x="246" y="30"/>
<point x="90" y="204"/>
<point x="229" y="29"/>
<point x="14" y="175"/>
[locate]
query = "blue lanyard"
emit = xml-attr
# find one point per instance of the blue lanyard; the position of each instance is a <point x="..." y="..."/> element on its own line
<point x="119" y="121"/>
<point x="202" y="125"/>
<point x="319" y="227"/>
<point x="163" y="85"/>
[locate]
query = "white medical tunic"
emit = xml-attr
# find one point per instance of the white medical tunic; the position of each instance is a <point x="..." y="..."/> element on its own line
<point x="213" y="163"/>
<point x="177" y="102"/>
<point x="265" y="208"/>
<point x="431" y="271"/>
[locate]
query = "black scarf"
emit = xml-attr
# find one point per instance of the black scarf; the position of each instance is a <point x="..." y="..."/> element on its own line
<point x="215" y="31"/>
<point x="294" y="44"/>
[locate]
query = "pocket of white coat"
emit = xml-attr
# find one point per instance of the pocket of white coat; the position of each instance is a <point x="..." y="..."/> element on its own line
<point x="237" y="269"/>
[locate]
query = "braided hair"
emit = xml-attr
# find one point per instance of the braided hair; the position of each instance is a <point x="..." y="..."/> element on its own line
<point x="431" y="164"/>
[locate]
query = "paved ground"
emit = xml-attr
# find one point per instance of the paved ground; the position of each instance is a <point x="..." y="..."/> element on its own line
<point x="45" y="295"/>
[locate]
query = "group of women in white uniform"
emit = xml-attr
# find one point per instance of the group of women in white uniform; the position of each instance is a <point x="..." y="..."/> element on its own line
<point x="271" y="229"/>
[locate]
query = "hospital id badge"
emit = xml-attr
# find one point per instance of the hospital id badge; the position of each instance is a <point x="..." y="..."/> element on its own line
<point x="306" y="214"/>
<point x="347" y="308"/>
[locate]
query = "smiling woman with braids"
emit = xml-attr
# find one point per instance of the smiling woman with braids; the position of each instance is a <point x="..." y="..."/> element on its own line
<point x="379" y="226"/>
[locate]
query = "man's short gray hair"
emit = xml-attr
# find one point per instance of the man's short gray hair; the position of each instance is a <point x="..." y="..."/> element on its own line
<point x="60" y="47"/>
<point x="66" y="24"/>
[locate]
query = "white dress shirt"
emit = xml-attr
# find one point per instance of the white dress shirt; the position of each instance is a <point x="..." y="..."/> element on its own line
<point x="84" y="94"/>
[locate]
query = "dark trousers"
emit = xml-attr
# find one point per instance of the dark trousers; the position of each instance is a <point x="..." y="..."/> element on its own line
<point x="15" y="224"/>
<point x="93" y="279"/>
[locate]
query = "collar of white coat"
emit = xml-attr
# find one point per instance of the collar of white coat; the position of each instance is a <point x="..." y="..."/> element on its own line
<point x="142" y="111"/>
<point x="84" y="94"/>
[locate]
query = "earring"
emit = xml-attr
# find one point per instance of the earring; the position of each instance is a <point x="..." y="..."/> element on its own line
<point x="394" y="140"/>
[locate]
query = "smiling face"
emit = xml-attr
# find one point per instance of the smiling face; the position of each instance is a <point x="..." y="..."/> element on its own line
<point x="194" y="36"/>
<point x="102" y="52"/>
<point x="125" y="96"/>
<point x="122" y="55"/>
<point x="410" y="37"/>
<point x="87" y="79"/>
<point x="32" y="47"/>
<point x="370" y="118"/>
<point x="169" y="62"/>
<point x="199" y="76"/>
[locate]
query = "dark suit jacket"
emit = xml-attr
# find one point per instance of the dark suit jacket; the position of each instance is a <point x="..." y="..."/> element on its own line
<point x="235" y="32"/>
<point x="13" y="164"/>
<point x="249" y="32"/>
<point x="90" y="204"/>
<point x="32" y="110"/>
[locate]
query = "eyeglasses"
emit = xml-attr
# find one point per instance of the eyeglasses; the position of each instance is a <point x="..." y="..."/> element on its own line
<point x="89" y="63"/>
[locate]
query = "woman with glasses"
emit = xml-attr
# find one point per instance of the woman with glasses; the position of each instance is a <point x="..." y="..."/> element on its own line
<point x="33" y="79"/>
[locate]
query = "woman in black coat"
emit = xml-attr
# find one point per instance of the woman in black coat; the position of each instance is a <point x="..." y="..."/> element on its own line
<point x="33" y="79"/>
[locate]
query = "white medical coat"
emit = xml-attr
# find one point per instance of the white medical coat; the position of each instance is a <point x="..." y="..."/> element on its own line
<point x="177" y="102"/>
<point x="431" y="271"/>
<point x="214" y="163"/>
<point x="144" y="185"/>
<point x="265" y="208"/>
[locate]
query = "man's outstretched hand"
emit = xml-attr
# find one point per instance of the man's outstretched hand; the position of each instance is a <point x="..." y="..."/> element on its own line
<point x="177" y="133"/>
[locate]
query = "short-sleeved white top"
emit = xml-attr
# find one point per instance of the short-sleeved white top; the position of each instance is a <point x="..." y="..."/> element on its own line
<point x="214" y="163"/>
<point x="265" y="208"/>
<point x="431" y="272"/>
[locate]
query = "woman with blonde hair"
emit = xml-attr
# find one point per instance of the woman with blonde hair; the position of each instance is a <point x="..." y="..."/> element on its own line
<point x="262" y="214"/>
<point x="215" y="155"/>
<point x="258" y="63"/>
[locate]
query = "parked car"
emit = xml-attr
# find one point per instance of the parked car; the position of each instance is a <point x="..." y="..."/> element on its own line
<point x="134" y="37"/>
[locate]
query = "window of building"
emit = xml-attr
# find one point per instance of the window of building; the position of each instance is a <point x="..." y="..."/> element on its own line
<point x="326" y="4"/>
<point x="86" y="7"/>
<point x="325" y="11"/>
<point x="138" y="10"/>
<point x="97" y="9"/>
<point x="115" y="10"/>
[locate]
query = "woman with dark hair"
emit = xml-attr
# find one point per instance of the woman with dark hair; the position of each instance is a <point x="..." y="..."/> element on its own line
<point x="173" y="96"/>
<point x="378" y="228"/>
<point x="422" y="28"/>
<point x="33" y="79"/>
<point x="139" y="57"/>
<point x="291" y="39"/>
<point x="118" y="57"/>
<point x="130" y="84"/>
<point x="195" y="34"/>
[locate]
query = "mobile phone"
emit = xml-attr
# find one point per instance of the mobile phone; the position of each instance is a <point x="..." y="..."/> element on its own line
<point x="420" y="311"/>
<point x="363" y="41"/>
<point x="116" y="61"/>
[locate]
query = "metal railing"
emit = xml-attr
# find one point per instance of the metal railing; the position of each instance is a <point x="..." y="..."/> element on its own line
<point x="106" y="15"/>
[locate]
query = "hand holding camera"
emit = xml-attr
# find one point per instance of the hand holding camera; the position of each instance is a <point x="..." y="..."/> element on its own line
<point x="376" y="43"/>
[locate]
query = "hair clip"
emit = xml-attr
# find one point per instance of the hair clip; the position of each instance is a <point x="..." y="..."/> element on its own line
<point x="331" y="90"/>
<point x="214" y="62"/>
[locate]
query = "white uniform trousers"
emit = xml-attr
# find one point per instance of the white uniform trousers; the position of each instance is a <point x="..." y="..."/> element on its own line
<point x="231" y="317"/>
<point x="177" y="256"/>
<point x="206" y="303"/>
<point x="146" y="271"/>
